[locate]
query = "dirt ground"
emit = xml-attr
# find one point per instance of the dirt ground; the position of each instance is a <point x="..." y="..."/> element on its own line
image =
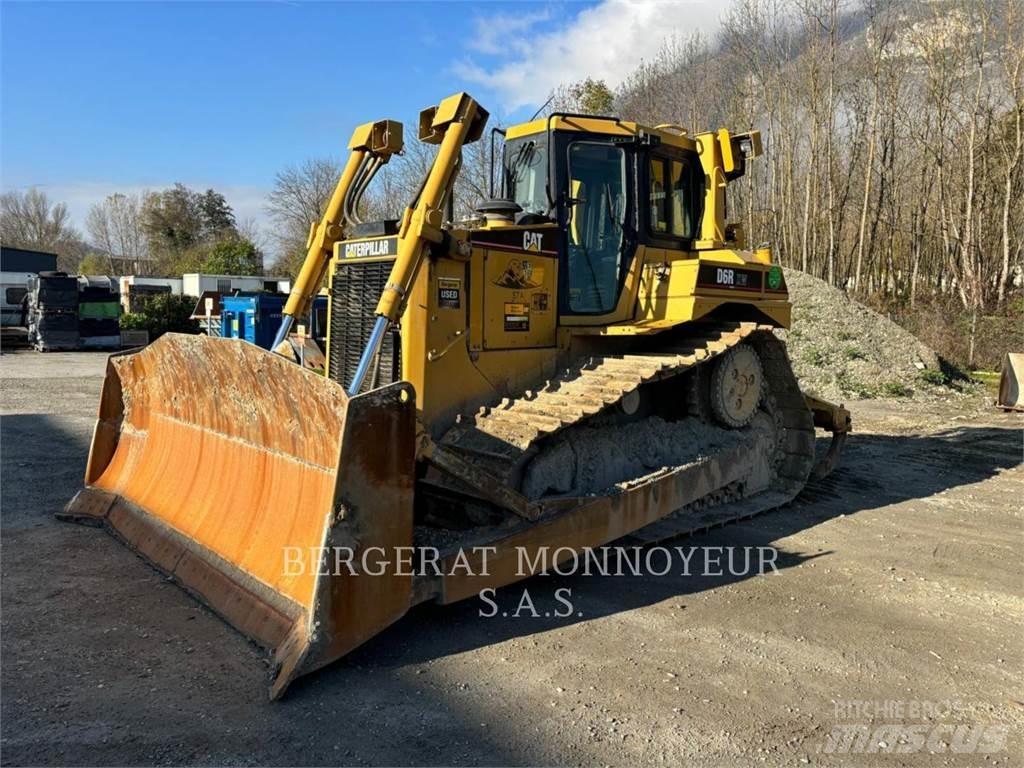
<point x="899" y="597"/>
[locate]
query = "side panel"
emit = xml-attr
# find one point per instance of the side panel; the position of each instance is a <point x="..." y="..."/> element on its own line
<point x="442" y="354"/>
<point x="519" y="300"/>
<point x="434" y="355"/>
<point x="678" y="288"/>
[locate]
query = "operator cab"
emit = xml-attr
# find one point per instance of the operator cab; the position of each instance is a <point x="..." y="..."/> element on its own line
<point x="608" y="186"/>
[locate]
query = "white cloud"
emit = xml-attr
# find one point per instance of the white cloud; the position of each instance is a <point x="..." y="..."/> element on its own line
<point x="605" y="42"/>
<point x="495" y="33"/>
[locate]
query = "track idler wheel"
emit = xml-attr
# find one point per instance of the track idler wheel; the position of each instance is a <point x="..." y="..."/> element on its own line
<point x="737" y="383"/>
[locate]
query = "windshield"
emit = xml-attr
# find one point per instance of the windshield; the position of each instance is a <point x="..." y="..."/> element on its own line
<point x="526" y="173"/>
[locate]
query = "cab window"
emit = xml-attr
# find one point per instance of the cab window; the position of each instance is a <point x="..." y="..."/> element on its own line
<point x="597" y="191"/>
<point x="526" y="174"/>
<point x="659" y="210"/>
<point x="676" y="197"/>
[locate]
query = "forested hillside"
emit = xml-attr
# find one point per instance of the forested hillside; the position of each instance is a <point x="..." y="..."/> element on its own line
<point x="893" y="135"/>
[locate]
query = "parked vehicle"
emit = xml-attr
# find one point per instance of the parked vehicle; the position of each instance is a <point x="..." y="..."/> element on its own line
<point x="13" y="295"/>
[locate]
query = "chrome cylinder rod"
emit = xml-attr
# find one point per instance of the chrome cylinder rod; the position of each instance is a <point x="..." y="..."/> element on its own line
<point x="283" y="331"/>
<point x="369" y="355"/>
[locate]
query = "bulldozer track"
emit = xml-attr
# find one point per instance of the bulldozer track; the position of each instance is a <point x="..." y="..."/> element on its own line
<point x="500" y="440"/>
<point x="509" y="430"/>
<point x="796" y="458"/>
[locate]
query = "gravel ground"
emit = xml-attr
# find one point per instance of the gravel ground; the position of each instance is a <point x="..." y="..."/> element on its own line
<point x="842" y="349"/>
<point x="899" y="596"/>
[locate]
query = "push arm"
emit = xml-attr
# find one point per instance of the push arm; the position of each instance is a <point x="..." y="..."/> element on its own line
<point x="456" y="121"/>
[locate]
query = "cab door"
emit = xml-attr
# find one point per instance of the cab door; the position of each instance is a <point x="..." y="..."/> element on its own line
<point x="600" y="240"/>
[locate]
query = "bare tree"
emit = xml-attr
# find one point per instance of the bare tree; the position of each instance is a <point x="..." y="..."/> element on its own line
<point x="300" y="193"/>
<point x="1010" y="140"/>
<point x="249" y="229"/>
<point x="30" y="220"/>
<point x="297" y="199"/>
<point x="115" y="226"/>
<point x="894" y="136"/>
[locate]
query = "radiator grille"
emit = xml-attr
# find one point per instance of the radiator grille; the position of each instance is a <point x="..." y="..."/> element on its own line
<point x="355" y="290"/>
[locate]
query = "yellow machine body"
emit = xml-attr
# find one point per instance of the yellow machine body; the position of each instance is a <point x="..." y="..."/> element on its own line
<point x="483" y="316"/>
<point x="242" y="476"/>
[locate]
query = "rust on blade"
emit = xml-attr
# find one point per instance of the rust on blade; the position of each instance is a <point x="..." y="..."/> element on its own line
<point x="231" y="469"/>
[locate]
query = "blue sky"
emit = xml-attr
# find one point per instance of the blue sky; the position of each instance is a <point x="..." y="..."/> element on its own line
<point x="105" y="97"/>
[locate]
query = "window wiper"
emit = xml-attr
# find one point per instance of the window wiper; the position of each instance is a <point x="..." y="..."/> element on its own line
<point x="610" y="206"/>
<point x="522" y="157"/>
<point x="593" y="275"/>
<point x="512" y="170"/>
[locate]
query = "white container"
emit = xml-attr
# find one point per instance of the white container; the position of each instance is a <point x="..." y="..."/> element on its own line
<point x="193" y="284"/>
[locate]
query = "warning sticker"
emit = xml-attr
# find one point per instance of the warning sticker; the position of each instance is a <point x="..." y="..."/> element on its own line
<point x="517" y="317"/>
<point x="449" y="292"/>
<point x="540" y="302"/>
<point x="521" y="274"/>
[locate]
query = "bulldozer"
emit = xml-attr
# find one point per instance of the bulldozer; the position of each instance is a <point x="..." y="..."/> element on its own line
<point x="589" y="356"/>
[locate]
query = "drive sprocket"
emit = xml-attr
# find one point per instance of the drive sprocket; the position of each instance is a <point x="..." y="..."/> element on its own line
<point x="737" y="384"/>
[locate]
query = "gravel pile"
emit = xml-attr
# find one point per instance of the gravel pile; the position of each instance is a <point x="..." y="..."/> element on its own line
<point x="840" y="349"/>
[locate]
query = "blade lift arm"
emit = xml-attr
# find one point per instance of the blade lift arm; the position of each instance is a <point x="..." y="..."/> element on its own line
<point x="372" y="145"/>
<point x="456" y="121"/>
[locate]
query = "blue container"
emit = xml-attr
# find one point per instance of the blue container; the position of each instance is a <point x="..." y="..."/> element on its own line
<point x="318" y="321"/>
<point x="254" y="317"/>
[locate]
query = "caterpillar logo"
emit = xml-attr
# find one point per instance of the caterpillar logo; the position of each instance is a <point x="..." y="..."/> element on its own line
<point x="387" y="246"/>
<point x="533" y="241"/>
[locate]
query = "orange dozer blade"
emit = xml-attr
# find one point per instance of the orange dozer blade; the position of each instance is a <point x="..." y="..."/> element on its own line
<point x="243" y="477"/>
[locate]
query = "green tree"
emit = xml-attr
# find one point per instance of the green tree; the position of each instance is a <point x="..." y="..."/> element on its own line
<point x="233" y="256"/>
<point x="187" y="261"/>
<point x="217" y="215"/>
<point x="593" y="97"/>
<point x="94" y="264"/>
<point x="172" y="220"/>
<point x="181" y="224"/>
<point x="589" y="97"/>
<point x="163" y="313"/>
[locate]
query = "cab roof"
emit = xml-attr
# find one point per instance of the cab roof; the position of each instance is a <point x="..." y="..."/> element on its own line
<point x="610" y="126"/>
